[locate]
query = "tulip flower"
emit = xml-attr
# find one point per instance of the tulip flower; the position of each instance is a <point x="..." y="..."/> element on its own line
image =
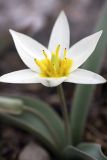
<point x="56" y="64"/>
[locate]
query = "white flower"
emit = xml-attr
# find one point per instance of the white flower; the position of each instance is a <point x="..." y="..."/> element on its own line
<point x="58" y="63"/>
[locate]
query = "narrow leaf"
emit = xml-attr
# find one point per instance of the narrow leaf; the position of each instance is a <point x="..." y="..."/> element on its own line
<point x="33" y="125"/>
<point x="93" y="150"/>
<point x="53" y="119"/>
<point x="73" y="153"/>
<point x="31" y="122"/>
<point x="84" y="93"/>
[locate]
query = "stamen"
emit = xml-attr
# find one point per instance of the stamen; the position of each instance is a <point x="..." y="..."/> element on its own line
<point x="57" y="50"/>
<point x="54" y="66"/>
<point x="36" y="62"/>
<point x="46" y="57"/>
<point x="45" y="54"/>
<point x="65" y="52"/>
<point x="53" y="57"/>
<point x="42" y="67"/>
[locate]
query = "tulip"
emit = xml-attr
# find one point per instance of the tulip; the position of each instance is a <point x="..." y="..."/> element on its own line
<point x="58" y="63"/>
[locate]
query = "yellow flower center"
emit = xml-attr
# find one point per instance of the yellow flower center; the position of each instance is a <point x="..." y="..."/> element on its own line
<point x="55" y="66"/>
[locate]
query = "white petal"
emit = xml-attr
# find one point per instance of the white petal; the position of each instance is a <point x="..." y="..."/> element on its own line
<point x="52" y="82"/>
<point x="28" y="60"/>
<point x="60" y="34"/>
<point x="28" y="49"/>
<point x="83" y="49"/>
<point x="21" y="76"/>
<point x="82" y="76"/>
<point x="28" y="76"/>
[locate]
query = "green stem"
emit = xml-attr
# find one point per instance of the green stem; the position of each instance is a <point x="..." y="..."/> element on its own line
<point x="44" y="120"/>
<point x="64" y="112"/>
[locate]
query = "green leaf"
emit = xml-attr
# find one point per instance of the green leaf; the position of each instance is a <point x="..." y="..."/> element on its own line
<point x="10" y="105"/>
<point x="84" y="93"/>
<point x="52" y="117"/>
<point x="93" y="150"/>
<point x="73" y="153"/>
<point x="35" y="125"/>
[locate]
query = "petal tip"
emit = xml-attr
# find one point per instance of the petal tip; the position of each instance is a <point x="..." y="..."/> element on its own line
<point x="103" y="80"/>
<point x="98" y="34"/>
<point x="11" y="31"/>
<point x="2" y="79"/>
<point x="62" y="15"/>
<point x="101" y="31"/>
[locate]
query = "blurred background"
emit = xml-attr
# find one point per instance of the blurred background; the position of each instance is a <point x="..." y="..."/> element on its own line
<point x="36" y="18"/>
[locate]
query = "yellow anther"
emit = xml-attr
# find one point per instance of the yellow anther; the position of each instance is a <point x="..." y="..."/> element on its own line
<point x="37" y="62"/>
<point x="45" y="54"/>
<point x="42" y="67"/>
<point x="48" y="61"/>
<point x="57" y="50"/>
<point x="65" y="52"/>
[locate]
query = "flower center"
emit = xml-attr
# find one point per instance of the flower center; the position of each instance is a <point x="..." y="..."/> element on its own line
<point x="55" y="66"/>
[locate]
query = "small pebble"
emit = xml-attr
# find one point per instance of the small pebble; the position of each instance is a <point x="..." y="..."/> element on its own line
<point x="34" y="151"/>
